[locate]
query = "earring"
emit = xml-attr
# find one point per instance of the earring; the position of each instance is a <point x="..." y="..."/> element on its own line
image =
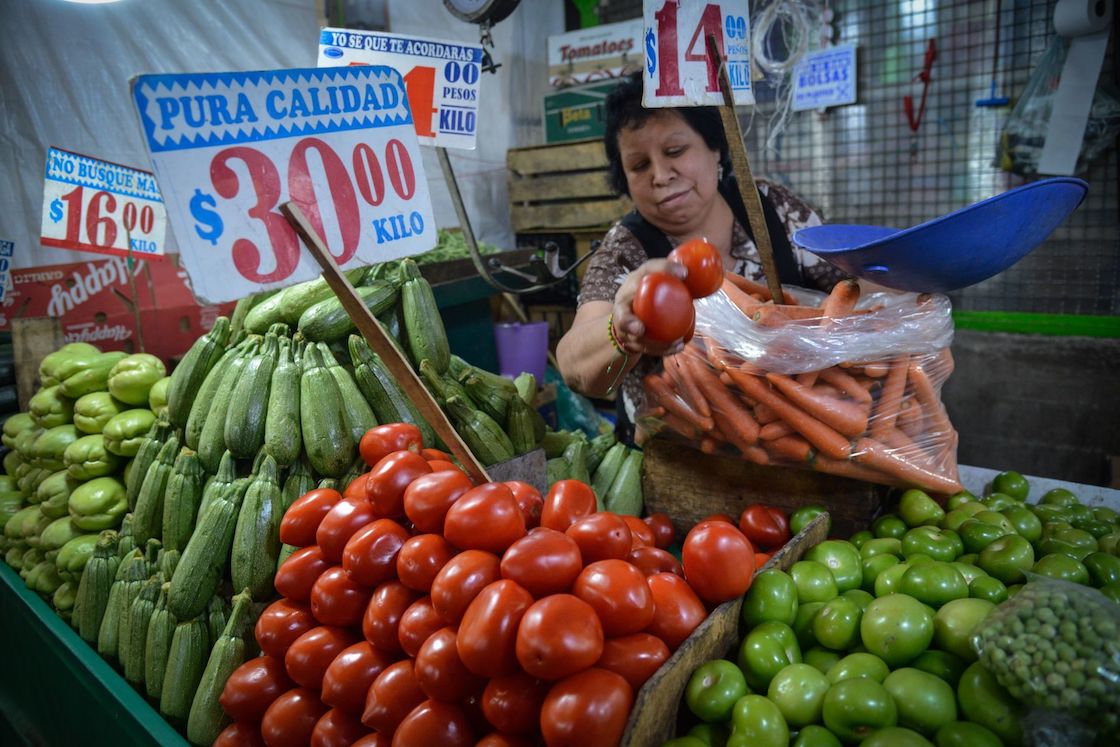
<point x="719" y="174"/>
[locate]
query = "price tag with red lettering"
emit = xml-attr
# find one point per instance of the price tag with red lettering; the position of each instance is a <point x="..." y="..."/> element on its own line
<point x="90" y="205"/>
<point x="442" y="78"/>
<point x="677" y="70"/>
<point x="230" y="148"/>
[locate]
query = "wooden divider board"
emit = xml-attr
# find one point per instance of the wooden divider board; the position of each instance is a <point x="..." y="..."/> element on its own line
<point x="381" y="345"/>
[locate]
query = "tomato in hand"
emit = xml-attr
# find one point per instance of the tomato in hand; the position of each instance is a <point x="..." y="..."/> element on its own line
<point x="558" y="636"/>
<point x="291" y="718"/>
<point x="347" y="679"/>
<point x="435" y="723"/>
<point x="418" y="622"/>
<point x="460" y="581"/>
<point x="382" y="620"/>
<point x="337" y="728"/>
<point x="567" y="500"/>
<point x="488" y="633"/>
<point x="663" y="531"/>
<point x="381" y="441"/>
<point x="601" y="536"/>
<point x="339" y="525"/>
<point x="388" y="480"/>
<point x="301" y="520"/>
<point x="718" y="561"/>
<point x="664" y="305"/>
<point x="439" y="670"/>
<point x="636" y="657"/>
<point x="308" y="658"/>
<point x="543" y="562"/>
<point x="239" y="734"/>
<point x="512" y="703"/>
<point x="651" y="560"/>
<point x="337" y="600"/>
<point x="428" y="497"/>
<point x="704" y="265"/>
<point x="280" y="624"/>
<point x="765" y="526"/>
<point x="298" y="573"/>
<point x="485" y="518"/>
<point x="252" y="687"/>
<point x="529" y="500"/>
<point x="640" y="532"/>
<point x="677" y="611"/>
<point x="370" y="556"/>
<point x="618" y="593"/>
<point x="392" y="696"/>
<point x="588" y="709"/>
<point x="421" y="558"/>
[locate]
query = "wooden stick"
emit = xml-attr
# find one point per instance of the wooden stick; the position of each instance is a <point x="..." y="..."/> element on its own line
<point x="375" y="336"/>
<point x="748" y="192"/>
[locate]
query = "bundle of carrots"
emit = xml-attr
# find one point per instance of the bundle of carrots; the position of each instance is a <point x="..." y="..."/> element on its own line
<point x="880" y="421"/>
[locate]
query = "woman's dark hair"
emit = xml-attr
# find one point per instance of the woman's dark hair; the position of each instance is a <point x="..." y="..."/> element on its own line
<point x="624" y="109"/>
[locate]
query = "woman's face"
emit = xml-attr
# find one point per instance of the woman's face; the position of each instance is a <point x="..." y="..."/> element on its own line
<point x="671" y="172"/>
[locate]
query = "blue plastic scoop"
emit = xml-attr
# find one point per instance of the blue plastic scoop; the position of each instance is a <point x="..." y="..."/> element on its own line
<point x="956" y="250"/>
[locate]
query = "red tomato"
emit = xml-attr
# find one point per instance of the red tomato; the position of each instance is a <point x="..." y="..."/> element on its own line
<point x="388" y="480"/>
<point x="289" y="721"/>
<point x="618" y="593"/>
<point x="375" y="739"/>
<point x="337" y="600"/>
<point x="640" y="533"/>
<point x="761" y="559"/>
<point x="347" y="679"/>
<point x="459" y="582"/>
<point x="588" y="709"/>
<point x="529" y="500"/>
<point x="512" y="703"/>
<point x="651" y="560"/>
<point x="676" y="609"/>
<point x="239" y="735"/>
<point x="370" y="556"/>
<point x="636" y="657"/>
<point x="383" y="440"/>
<point x="488" y="633"/>
<point x="435" y="455"/>
<point x="704" y="265"/>
<point x="428" y="497"/>
<point x="439" y="670"/>
<point x="392" y="696"/>
<point x="567" y="500"/>
<point x="281" y="623"/>
<point x="663" y="531"/>
<point x="544" y="562"/>
<point x="558" y="636"/>
<point x="494" y="739"/>
<point x="337" y="728"/>
<point x="420" y="560"/>
<point x="297" y="574"/>
<point x="485" y="518"/>
<point x="726" y="518"/>
<point x="664" y="305"/>
<point x="252" y="687"/>
<point x="718" y="561"/>
<point x="601" y="536"/>
<point x="301" y="520"/>
<point x="383" y="614"/>
<point x="764" y="526"/>
<point x="308" y="658"/>
<point x="357" y="487"/>
<point x="439" y="465"/>
<point x="435" y="723"/>
<point x="418" y="622"/>
<point x="339" y="525"/>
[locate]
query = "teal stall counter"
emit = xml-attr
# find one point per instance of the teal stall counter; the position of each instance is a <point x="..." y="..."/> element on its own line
<point x="56" y="689"/>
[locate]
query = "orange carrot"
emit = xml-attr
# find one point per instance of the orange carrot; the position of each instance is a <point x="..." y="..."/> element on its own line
<point x="775" y="430"/>
<point x="719" y="357"/>
<point x="845" y="417"/>
<point x="756" y="454"/>
<point x="876" y="455"/>
<point x="875" y="369"/>
<point x="793" y="449"/>
<point x="910" y="417"/>
<point x="825" y="438"/>
<point x="764" y="414"/>
<point x="758" y="289"/>
<point x="849" y="469"/>
<point x="681" y="426"/>
<point x="743" y="300"/>
<point x="684" y="384"/>
<point x="931" y="404"/>
<point x="886" y="409"/>
<point x="709" y="445"/>
<point x="674" y="404"/>
<point x="842" y="300"/>
<point x="846" y="383"/>
<point x="729" y="413"/>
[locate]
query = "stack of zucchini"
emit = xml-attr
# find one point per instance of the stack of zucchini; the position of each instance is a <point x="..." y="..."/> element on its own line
<point x="610" y="467"/>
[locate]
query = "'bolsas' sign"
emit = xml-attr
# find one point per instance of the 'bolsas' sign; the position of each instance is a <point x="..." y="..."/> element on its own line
<point x="230" y="148"/>
<point x="595" y="53"/>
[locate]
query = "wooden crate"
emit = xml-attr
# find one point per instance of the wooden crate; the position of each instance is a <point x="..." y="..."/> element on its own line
<point x="562" y="187"/>
<point x="654" y="715"/>
<point x="688" y="485"/>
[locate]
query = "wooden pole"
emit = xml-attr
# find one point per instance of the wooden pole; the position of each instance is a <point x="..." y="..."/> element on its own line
<point x="381" y="345"/>
<point x="748" y="192"/>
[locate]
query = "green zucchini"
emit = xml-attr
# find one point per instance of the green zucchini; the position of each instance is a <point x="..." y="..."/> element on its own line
<point x="607" y="471"/>
<point x="148" y="517"/>
<point x="212" y="441"/>
<point x="423" y="325"/>
<point x="328" y="320"/>
<point x="382" y="391"/>
<point x="248" y="404"/>
<point x="186" y="660"/>
<point x="131" y="573"/>
<point x="134" y="635"/>
<point x="299" y="481"/>
<point x="222" y="479"/>
<point x="93" y="589"/>
<point x="356" y="412"/>
<point x="189" y="376"/>
<point x="492" y="400"/>
<point x="282" y="440"/>
<point x="327" y="439"/>
<point x="256" y="539"/>
<point x="483" y="436"/>
<point x="181" y="500"/>
<point x="206" y="718"/>
<point x="145" y="456"/>
<point x="206" y="556"/>
<point x="215" y="379"/>
<point x="217" y="614"/>
<point x="519" y="425"/>
<point x="157" y="644"/>
<point x="625" y="494"/>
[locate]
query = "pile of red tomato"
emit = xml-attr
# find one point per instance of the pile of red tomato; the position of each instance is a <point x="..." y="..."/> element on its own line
<point x="424" y="610"/>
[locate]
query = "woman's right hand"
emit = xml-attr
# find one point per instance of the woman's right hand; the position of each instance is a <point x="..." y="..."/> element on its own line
<point x="628" y="328"/>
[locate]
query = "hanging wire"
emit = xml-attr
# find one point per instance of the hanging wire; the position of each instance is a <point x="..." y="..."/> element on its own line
<point x="793" y="23"/>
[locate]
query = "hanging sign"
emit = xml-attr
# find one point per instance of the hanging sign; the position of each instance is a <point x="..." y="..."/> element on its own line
<point x="230" y="148"/>
<point x="7" y="249"/>
<point x="825" y="77"/>
<point x="91" y="205"/>
<point x="592" y="54"/>
<point x="677" y="69"/>
<point x="442" y="78"/>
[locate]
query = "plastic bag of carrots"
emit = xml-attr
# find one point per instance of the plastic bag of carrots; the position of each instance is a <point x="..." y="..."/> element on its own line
<point x="841" y="384"/>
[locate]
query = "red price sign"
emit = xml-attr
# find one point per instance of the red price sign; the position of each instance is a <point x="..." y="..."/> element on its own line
<point x="97" y="206"/>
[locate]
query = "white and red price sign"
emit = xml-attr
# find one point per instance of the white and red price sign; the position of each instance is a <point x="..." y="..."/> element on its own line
<point x="678" y="71"/>
<point x="230" y="148"/>
<point x="442" y="78"/>
<point x="90" y="205"/>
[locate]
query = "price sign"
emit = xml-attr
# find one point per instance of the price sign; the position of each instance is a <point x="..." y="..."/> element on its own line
<point x="678" y="71"/>
<point x="230" y="148"/>
<point x="825" y="77"/>
<point x="91" y="205"/>
<point x="7" y="249"/>
<point x="442" y="78"/>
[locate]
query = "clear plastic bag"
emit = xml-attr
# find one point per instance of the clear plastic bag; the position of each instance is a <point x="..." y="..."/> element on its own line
<point x="1055" y="647"/>
<point x="830" y="384"/>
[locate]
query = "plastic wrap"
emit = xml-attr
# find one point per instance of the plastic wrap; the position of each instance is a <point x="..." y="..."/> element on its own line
<point x="1055" y="647"/>
<point x="840" y="384"/>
